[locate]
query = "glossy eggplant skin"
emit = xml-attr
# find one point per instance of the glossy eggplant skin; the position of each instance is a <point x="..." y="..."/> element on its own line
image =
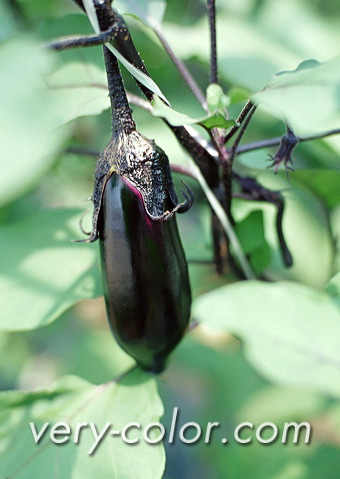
<point x="145" y="276"/>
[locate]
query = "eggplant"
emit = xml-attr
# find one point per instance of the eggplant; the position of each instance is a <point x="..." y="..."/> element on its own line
<point x="144" y="270"/>
<point x="145" y="276"/>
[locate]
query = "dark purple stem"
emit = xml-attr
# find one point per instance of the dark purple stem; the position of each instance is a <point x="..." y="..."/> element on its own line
<point x="213" y="45"/>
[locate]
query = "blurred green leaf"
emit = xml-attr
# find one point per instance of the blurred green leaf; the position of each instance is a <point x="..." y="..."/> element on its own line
<point x="238" y="94"/>
<point x="81" y="88"/>
<point x="175" y="118"/>
<point x="7" y="23"/>
<point x="250" y="231"/>
<point x="29" y="117"/>
<point x="291" y="332"/>
<point x="260" y="258"/>
<point x="325" y="184"/>
<point x="306" y="230"/>
<point x="278" y="404"/>
<point x="308" y="98"/>
<point x="73" y="400"/>
<point x="151" y="12"/>
<point x="42" y="272"/>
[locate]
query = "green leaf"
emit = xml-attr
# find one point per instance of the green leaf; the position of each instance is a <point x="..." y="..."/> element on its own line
<point x="291" y="332"/>
<point x="81" y="88"/>
<point x="175" y="118"/>
<point x="260" y="258"/>
<point x="151" y="12"/>
<point x="238" y="94"/>
<point x="306" y="231"/>
<point x="7" y="23"/>
<point x="29" y="117"/>
<point x="250" y="231"/>
<point x="42" y="272"/>
<point x="75" y="401"/>
<point x="325" y="184"/>
<point x="307" y="97"/>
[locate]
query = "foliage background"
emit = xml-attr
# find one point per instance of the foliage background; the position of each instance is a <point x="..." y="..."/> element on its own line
<point x="282" y="361"/>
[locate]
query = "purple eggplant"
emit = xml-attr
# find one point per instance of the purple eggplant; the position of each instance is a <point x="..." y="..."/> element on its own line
<point x="145" y="276"/>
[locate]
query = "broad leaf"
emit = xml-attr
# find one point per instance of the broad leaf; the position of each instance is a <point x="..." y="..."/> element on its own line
<point x="291" y="332"/>
<point x="175" y="118"/>
<point x="81" y="88"/>
<point x="250" y="232"/>
<point x="7" y="24"/>
<point x="42" y="272"/>
<point x="29" y="117"/>
<point x="75" y="401"/>
<point x="325" y="183"/>
<point x="308" y="97"/>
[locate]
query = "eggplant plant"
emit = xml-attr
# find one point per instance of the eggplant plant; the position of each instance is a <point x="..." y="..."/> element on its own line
<point x="252" y="263"/>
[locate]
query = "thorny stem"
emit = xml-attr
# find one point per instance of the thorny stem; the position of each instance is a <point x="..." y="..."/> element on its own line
<point x="213" y="49"/>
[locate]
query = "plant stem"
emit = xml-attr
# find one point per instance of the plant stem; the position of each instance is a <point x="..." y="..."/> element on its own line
<point x="240" y="119"/>
<point x="225" y="222"/>
<point x="213" y="45"/>
<point x="258" y="145"/>
<point x="182" y="69"/>
<point x="241" y="133"/>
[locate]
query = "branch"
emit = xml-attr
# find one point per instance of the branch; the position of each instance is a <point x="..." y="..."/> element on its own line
<point x="225" y="222"/>
<point x="183" y="170"/>
<point x="182" y="69"/>
<point x="138" y="101"/>
<point x="240" y="119"/>
<point x="213" y="47"/>
<point x="78" y="150"/>
<point x="241" y="133"/>
<point x="258" y="145"/>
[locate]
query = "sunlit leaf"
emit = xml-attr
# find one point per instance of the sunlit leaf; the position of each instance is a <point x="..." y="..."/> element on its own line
<point x="74" y="401"/>
<point x="81" y="88"/>
<point x="29" y="117"/>
<point x="175" y="118"/>
<point x="307" y="97"/>
<point x="291" y="332"/>
<point x="325" y="184"/>
<point x="42" y="272"/>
